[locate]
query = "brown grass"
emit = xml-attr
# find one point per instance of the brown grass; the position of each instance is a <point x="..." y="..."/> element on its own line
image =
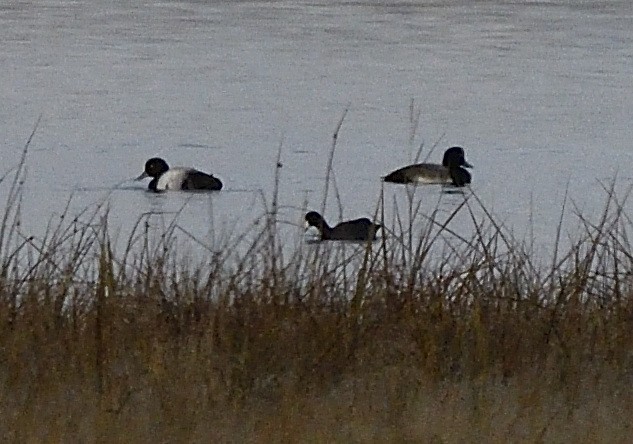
<point x="385" y="342"/>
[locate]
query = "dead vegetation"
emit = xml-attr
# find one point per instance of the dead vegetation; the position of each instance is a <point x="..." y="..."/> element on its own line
<point x="382" y="342"/>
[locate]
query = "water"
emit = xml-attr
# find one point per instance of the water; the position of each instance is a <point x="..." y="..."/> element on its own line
<point x="539" y="93"/>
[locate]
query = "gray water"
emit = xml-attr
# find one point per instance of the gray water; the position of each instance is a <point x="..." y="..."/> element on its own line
<point x="539" y="94"/>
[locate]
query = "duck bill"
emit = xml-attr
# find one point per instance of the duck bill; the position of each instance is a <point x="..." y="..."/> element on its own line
<point x="142" y="176"/>
<point x="468" y="165"/>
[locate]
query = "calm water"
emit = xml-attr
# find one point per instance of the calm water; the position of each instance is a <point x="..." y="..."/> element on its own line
<point x="539" y="93"/>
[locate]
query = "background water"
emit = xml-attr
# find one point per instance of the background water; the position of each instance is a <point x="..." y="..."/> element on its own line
<point x="539" y="93"/>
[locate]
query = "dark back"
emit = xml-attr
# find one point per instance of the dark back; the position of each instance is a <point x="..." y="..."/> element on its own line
<point x="355" y="230"/>
<point x="401" y="175"/>
<point x="197" y="180"/>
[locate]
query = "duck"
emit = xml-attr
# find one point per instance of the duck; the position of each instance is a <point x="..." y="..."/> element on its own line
<point x="178" y="178"/>
<point x="352" y="230"/>
<point x="451" y="171"/>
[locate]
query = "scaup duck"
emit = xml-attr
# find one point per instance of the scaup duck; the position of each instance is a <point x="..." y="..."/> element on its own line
<point x="449" y="172"/>
<point x="354" y="230"/>
<point x="178" y="178"/>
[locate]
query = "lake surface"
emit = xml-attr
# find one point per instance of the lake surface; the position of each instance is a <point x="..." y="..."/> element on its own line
<point x="539" y="93"/>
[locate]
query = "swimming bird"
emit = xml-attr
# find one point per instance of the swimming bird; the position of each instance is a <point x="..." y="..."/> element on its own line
<point x="179" y="178"/>
<point x="449" y="172"/>
<point x="353" y="230"/>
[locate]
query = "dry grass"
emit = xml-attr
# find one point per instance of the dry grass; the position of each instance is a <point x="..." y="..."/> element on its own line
<point x="389" y="342"/>
<point x="369" y="344"/>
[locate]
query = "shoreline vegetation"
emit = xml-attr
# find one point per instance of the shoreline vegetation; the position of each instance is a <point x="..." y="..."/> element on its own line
<point x="365" y="342"/>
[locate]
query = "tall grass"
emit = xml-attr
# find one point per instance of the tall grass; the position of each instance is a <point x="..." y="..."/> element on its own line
<point x="438" y="337"/>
